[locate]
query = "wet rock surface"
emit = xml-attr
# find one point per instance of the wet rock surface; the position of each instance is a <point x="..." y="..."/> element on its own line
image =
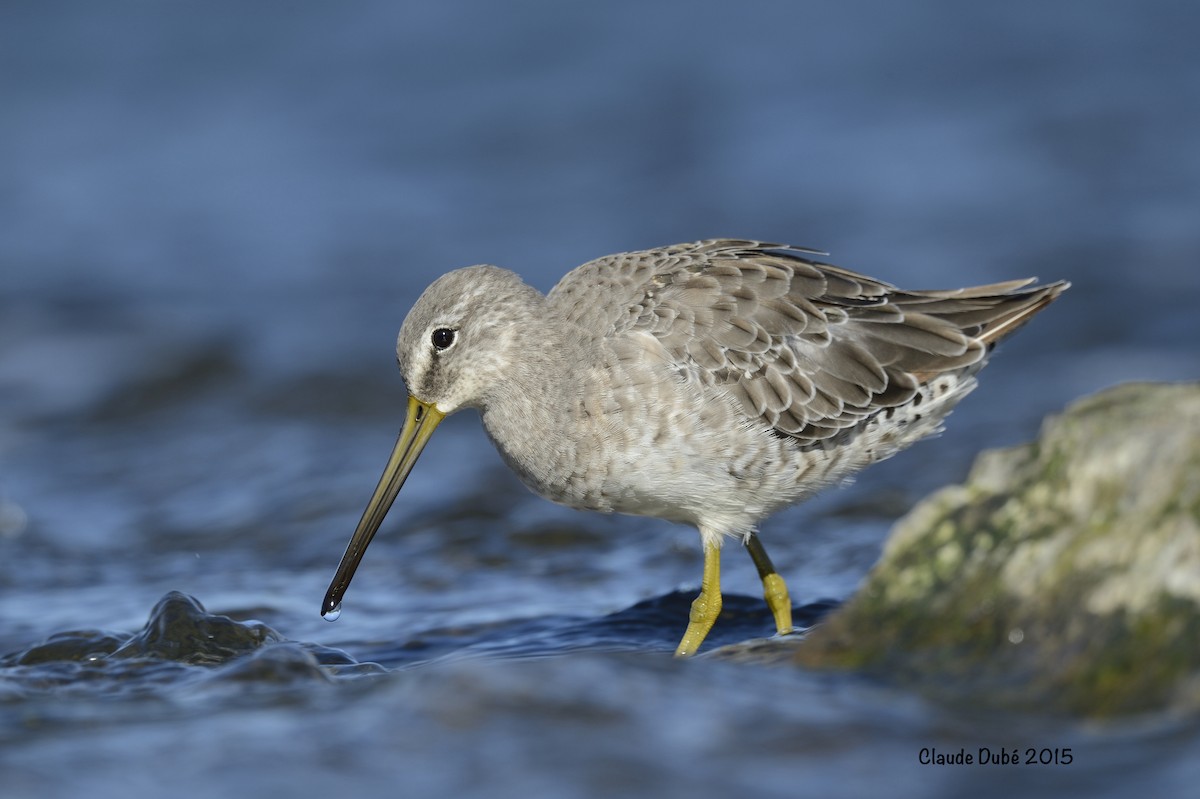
<point x="180" y="639"/>
<point x="1064" y="575"/>
<point x="180" y="629"/>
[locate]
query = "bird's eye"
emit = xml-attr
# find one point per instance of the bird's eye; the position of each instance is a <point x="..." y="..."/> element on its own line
<point x="442" y="338"/>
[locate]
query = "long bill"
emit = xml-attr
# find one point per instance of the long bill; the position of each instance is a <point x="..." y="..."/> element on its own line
<point x="422" y="419"/>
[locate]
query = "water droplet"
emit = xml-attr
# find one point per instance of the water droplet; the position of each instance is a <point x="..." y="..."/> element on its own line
<point x="332" y="615"/>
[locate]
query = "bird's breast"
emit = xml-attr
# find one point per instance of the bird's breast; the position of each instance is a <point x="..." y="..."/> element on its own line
<point x="642" y="444"/>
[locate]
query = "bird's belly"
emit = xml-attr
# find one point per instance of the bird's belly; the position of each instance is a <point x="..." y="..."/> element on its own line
<point x="656" y="447"/>
<point x="717" y="481"/>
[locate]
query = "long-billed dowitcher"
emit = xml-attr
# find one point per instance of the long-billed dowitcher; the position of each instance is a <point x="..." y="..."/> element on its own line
<point x="711" y="383"/>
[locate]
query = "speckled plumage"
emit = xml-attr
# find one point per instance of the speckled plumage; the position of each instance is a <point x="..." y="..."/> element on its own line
<point x="711" y="383"/>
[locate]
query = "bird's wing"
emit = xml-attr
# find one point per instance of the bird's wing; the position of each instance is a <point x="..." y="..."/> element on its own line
<point x="807" y="347"/>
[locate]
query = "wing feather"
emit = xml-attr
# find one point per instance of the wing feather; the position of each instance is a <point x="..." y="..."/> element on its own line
<point x="806" y="347"/>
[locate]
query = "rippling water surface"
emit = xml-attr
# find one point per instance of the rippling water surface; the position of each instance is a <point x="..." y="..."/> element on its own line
<point x="215" y="216"/>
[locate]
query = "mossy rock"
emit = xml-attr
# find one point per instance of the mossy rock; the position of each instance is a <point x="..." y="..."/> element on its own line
<point x="1063" y="576"/>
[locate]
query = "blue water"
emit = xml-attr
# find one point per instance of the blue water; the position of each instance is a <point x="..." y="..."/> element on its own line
<point x="214" y="216"/>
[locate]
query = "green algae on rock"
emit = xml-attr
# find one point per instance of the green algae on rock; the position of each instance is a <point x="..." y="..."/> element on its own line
<point x="1063" y="576"/>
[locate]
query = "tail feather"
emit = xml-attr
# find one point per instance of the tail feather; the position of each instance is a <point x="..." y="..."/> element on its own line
<point x="981" y="313"/>
<point x="1020" y="309"/>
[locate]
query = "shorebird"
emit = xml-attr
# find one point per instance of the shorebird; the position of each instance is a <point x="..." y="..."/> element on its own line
<point x="711" y="383"/>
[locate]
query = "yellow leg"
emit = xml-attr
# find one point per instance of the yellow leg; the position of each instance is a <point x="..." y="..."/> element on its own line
<point x="706" y="607"/>
<point x="774" y="588"/>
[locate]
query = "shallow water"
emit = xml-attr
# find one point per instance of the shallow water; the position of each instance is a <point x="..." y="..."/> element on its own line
<point x="215" y="220"/>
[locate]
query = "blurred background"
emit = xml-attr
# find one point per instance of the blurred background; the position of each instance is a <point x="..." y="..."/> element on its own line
<point x="214" y="216"/>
